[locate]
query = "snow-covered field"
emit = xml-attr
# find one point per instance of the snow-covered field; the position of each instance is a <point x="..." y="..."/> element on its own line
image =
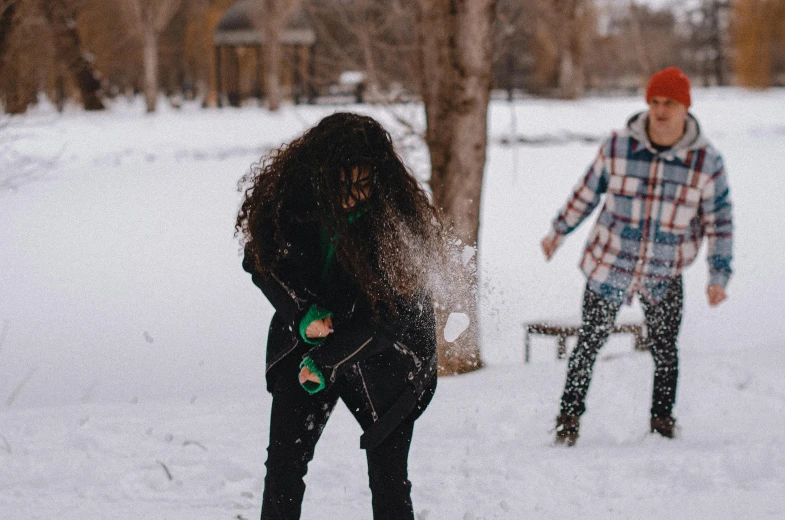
<point x="131" y="342"/>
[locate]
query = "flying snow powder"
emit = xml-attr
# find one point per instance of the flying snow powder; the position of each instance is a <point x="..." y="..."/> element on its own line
<point x="467" y="255"/>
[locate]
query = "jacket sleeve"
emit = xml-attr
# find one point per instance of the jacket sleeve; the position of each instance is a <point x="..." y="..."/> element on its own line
<point x="358" y="339"/>
<point x="278" y="290"/>
<point x="585" y="196"/>
<point x="344" y="347"/>
<point x="717" y="221"/>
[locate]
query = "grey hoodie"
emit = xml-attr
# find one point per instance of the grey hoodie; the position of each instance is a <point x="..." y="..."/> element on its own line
<point x="693" y="139"/>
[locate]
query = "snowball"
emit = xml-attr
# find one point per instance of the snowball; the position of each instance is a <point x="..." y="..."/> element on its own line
<point x="457" y="322"/>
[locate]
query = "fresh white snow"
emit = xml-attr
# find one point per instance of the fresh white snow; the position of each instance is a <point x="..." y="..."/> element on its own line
<point x="132" y="343"/>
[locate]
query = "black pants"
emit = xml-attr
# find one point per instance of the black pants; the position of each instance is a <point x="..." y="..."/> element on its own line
<point x="296" y="423"/>
<point x="663" y="320"/>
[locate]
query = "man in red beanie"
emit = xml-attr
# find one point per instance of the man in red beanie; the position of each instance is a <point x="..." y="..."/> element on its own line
<point x="665" y="189"/>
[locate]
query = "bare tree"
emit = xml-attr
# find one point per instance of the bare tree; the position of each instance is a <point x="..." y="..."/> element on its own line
<point x="707" y="41"/>
<point x="455" y="45"/>
<point x="636" y="31"/>
<point x="23" y="63"/>
<point x="512" y="45"/>
<point x="571" y="37"/>
<point x="7" y="11"/>
<point x="61" y="15"/>
<point x="150" y="18"/>
<point x="561" y="31"/>
<point x="200" y="45"/>
<point x="7" y="14"/>
<point x="635" y="41"/>
<point x="376" y="37"/>
<point x="758" y="39"/>
<point x="272" y="17"/>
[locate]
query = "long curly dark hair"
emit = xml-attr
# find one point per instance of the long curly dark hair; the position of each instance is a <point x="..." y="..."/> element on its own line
<point x="399" y="239"/>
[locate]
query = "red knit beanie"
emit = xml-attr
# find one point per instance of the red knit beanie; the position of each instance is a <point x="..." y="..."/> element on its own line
<point x="671" y="83"/>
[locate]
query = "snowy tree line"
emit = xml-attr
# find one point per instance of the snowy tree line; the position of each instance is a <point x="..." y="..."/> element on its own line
<point x="86" y="50"/>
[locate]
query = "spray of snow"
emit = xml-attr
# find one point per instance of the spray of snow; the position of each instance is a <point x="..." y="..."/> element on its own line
<point x="442" y="264"/>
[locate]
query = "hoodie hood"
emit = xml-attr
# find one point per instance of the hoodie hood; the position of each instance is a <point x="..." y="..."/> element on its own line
<point x="692" y="139"/>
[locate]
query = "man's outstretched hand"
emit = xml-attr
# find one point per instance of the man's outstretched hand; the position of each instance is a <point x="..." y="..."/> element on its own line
<point x="549" y="246"/>
<point x="716" y="295"/>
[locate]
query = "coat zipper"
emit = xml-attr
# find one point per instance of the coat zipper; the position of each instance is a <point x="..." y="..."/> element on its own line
<point x="290" y="292"/>
<point x="297" y="301"/>
<point x="367" y="394"/>
<point x="417" y="362"/>
<point x="341" y="362"/>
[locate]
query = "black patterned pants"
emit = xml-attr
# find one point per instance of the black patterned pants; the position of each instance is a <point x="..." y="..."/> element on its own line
<point x="663" y="320"/>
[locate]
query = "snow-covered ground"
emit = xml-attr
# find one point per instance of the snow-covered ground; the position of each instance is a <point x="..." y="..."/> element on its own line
<point x="131" y="342"/>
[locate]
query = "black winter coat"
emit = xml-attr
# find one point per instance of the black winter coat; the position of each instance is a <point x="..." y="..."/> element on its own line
<point x="396" y="351"/>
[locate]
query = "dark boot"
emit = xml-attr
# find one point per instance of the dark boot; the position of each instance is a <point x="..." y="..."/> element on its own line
<point x="567" y="429"/>
<point x="665" y="426"/>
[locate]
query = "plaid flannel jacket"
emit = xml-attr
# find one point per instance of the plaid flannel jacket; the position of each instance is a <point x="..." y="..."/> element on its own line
<point x="658" y="207"/>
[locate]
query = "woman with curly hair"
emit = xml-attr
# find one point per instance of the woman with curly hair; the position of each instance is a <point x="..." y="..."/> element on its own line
<point x="340" y="238"/>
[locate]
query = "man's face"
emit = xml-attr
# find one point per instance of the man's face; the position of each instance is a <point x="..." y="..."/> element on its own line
<point x="666" y="117"/>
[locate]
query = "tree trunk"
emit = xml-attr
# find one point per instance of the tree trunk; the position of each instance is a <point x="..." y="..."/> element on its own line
<point x="151" y="18"/>
<point x="214" y="12"/>
<point x="640" y="48"/>
<point x="272" y="18"/>
<point x="150" y="58"/>
<point x="18" y="84"/>
<point x="753" y="43"/>
<point x="456" y="65"/>
<point x="6" y="24"/>
<point x="570" y="78"/>
<point x="571" y="84"/>
<point x="272" y="68"/>
<point x="68" y="47"/>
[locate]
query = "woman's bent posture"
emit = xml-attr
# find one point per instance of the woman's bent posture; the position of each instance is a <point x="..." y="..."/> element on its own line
<point x="339" y="237"/>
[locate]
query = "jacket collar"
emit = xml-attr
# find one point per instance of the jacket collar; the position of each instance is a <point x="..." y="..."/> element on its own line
<point x="692" y="139"/>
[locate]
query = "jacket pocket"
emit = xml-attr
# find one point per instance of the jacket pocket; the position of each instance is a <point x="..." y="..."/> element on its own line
<point x="625" y="200"/>
<point x="625" y="185"/>
<point x="374" y="415"/>
<point x="679" y="207"/>
<point x="337" y="365"/>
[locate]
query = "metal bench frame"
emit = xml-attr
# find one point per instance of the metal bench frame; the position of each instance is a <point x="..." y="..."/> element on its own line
<point x="638" y="330"/>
